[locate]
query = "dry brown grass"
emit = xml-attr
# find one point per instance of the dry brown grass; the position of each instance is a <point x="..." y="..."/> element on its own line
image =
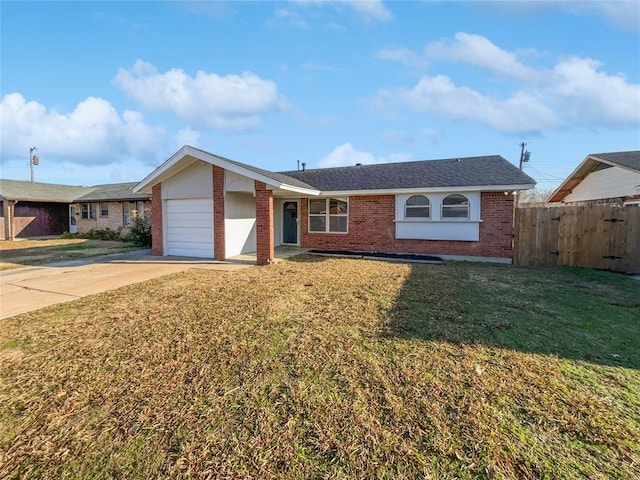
<point x="306" y="369"/>
<point x="19" y="253"/>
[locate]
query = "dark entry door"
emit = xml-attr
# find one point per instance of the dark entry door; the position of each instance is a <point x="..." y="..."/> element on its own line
<point x="290" y="222"/>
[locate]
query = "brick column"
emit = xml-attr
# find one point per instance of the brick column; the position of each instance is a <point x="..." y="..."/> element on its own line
<point x="219" y="242"/>
<point x="157" y="241"/>
<point x="264" y="225"/>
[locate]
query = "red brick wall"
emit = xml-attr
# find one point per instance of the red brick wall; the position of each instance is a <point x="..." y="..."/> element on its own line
<point x="156" y="221"/>
<point x="372" y="228"/>
<point x="218" y="213"/>
<point x="264" y="225"/>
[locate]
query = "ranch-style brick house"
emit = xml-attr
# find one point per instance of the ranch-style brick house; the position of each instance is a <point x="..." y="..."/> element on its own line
<point x="204" y="205"/>
<point x="32" y="209"/>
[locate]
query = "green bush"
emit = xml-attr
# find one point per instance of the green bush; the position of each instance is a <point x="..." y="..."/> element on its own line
<point x="97" y="234"/>
<point x="140" y="232"/>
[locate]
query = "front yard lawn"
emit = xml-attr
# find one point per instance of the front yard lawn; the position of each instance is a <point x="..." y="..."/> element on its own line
<point x="330" y="368"/>
<point x="19" y="253"/>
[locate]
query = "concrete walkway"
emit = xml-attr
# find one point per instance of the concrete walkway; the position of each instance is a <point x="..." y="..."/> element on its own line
<point x="31" y="288"/>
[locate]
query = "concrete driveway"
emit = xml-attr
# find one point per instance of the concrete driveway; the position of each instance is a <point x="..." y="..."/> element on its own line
<point x="31" y="288"/>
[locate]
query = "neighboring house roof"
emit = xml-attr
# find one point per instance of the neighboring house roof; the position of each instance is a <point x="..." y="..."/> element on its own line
<point x="51" y="192"/>
<point x="113" y="191"/>
<point x="40" y="192"/>
<point x="453" y="172"/>
<point x="489" y="172"/>
<point x="626" y="160"/>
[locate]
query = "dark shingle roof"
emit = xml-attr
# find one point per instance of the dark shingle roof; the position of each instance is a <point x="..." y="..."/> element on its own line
<point x="464" y="172"/>
<point x="624" y="159"/>
<point x="51" y="192"/>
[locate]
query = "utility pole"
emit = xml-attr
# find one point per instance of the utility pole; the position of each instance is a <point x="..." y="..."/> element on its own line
<point x="524" y="155"/>
<point x="33" y="160"/>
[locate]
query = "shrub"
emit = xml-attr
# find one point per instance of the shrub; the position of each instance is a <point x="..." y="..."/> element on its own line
<point x="104" y="234"/>
<point x="140" y="232"/>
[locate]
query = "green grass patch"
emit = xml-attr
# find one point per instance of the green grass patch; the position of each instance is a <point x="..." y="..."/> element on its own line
<point x="329" y="368"/>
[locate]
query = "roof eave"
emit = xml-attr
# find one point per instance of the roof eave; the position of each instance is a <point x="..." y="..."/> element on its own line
<point x="395" y="191"/>
<point x="159" y="174"/>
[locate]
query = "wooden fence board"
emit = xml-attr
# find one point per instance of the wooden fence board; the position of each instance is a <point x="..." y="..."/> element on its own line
<point x="596" y="236"/>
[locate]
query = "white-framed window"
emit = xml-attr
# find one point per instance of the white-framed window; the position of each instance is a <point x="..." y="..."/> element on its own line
<point x="417" y="206"/>
<point x="88" y="211"/>
<point x="328" y="215"/>
<point x="455" y="206"/>
<point x="104" y="209"/>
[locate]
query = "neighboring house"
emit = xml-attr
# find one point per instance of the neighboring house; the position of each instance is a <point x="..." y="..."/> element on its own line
<point x="31" y="209"/>
<point x="612" y="177"/>
<point x="208" y="206"/>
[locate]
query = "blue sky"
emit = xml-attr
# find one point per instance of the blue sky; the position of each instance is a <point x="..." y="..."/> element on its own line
<point x="109" y="90"/>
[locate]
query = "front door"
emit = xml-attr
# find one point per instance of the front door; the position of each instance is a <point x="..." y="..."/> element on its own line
<point x="73" y="225"/>
<point x="290" y="223"/>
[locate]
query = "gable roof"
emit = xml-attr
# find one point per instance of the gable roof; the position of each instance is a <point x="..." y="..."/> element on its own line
<point x="188" y="155"/>
<point x="487" y="171"/>
<point x="52" y="192"/>
<point x="627" y="160"/>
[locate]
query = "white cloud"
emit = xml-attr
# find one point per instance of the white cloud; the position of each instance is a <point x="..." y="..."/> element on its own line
<point x="406" y="57"/>
<point x="366" y="9"/>
<point x="588" y="95"/>
<point x="93" y="132"/>
<point x="480" y="51"/>
<point x="371" y="9"/>
<point x="572" y="92"/>
<point x="229" y="102"/>
<point x="622" y="14"/>
<point x="345" y="155"/>
<point x="186" y="136"/>
<point x="438" y="95"/>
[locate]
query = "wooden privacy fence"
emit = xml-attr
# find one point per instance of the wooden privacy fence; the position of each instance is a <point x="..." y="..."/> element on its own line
<point x="596" y="236"/>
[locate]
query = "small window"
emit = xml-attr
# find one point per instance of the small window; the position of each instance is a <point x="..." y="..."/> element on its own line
<point x="328" y="215"/>
<point x="104" y="209"/>
<point x="126" y="214"/>
<point x="417" y="206"/>
<point x="455" y="206"/>
<point x="88" y="211"/>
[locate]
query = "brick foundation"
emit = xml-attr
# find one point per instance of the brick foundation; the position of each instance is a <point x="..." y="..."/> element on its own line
<point x="372" y="228"/>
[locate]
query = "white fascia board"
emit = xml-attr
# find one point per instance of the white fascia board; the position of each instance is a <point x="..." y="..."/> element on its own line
<point x="158" y="174"/>
<point x="399" y="191"/>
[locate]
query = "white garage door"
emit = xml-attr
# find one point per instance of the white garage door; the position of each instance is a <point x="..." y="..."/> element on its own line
<point x="190" y="227"/>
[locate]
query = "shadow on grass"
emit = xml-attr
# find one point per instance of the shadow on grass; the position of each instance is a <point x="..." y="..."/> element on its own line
<point x="573" y="313"/>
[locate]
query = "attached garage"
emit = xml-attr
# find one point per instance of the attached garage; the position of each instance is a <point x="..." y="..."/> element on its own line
<point x="190" y="227"/>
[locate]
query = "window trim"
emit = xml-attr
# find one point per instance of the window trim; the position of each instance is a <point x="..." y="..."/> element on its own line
<point x="102" y="210"/>
<point x="90" y="213"/>
<point x="444" y="207"/>
<point x="415" y="207"/>
<point x="327" y="215"/>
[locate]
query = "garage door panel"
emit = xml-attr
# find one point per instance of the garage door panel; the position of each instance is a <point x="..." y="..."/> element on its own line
<point x="185" y="221"/>
<point x="189" y="229"/>
<point x="189" y="206"/>
<point x="197" y="235"/>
